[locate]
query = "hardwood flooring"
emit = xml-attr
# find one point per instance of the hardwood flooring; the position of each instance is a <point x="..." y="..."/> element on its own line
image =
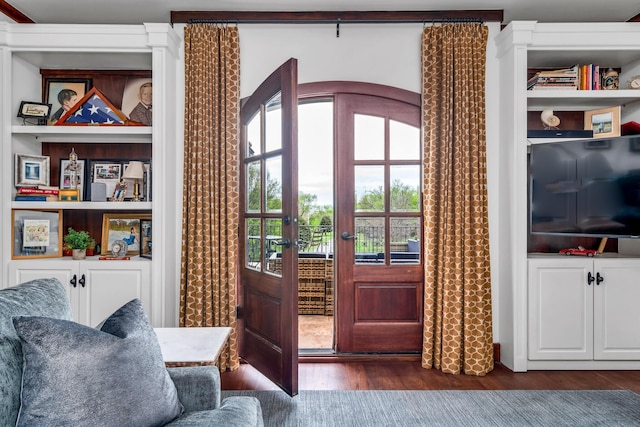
<point x="386" y="375"/>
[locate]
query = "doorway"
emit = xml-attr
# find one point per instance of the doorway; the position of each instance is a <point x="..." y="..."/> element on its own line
<point x="359" y="261"/>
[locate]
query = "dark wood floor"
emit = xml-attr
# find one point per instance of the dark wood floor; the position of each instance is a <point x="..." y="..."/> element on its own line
<point x="411" y="376"/>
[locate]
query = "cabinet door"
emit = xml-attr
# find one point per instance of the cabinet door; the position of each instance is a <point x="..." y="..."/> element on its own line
<point x="560" y="309"/>
<point x="110" y="284"/>
<point x="616" y="312"/>
<point x="65" y="271"/>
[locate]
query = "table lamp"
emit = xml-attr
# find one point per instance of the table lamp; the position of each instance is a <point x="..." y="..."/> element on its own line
<point x="135" y="171"/>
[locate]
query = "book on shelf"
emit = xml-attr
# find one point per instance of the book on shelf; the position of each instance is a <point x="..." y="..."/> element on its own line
<point x="113" y="258"/>
<point x="36" y="198"/>
<point x="38" y="190"/>
<point x="580" y="77"/>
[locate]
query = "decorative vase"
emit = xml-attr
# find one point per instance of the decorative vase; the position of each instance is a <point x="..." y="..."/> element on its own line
<point x="79" y="254"/>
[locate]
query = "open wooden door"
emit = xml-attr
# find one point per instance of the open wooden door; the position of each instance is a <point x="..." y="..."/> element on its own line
<point x="268" y="291"/>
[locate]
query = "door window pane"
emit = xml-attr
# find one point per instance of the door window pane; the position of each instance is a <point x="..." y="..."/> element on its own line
<point x="273" y="124"/>
<point x="253" y="243"/>
<point x="368" y="137"/>
<point x="370" y="240"/>
<point x="404" y="141"/>
<point x="369" y="188"/>
<point x="405" y="188"/>
<point x="273" y="185"/>
<point x="252" y="191"/>
<point x="253" y="146"/>
<point x="404" y="240"/>
<point x="272" y="245"/>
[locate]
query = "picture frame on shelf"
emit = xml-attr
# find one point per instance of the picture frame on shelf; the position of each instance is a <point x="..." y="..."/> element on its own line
<point x="145" y="238"/>
<point x="136" y="100"/>
<point x="35" y="111"/>
<point x="31" y="170"/>
<point x="66" y="176"/>
<point x="53" y="86"/>
<point x="36" y="233"/>
<point x="107" y="172"/>
<point x="122" y="226"/>
<point x="119" y="192"/>
<point x="605" y="122"/>
<point x="69" y="195"/>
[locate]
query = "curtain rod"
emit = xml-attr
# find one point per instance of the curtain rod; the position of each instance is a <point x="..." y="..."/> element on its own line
<point x="364" y="17"/>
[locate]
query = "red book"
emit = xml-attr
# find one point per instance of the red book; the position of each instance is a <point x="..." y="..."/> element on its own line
<point x="29" y="190"/>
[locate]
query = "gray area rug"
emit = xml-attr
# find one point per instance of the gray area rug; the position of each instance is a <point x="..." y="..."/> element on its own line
<point x="448" y="408"/>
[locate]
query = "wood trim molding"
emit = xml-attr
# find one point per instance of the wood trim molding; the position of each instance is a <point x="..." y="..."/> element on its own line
<point x="319" y="17"/>
<point x="14" y="13"/>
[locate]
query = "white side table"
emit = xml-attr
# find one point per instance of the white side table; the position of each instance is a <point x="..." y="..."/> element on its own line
<point x="191" y="346"/>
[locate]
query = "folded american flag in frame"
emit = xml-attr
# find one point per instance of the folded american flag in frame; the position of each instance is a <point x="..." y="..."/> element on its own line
<point x="93" y="109"/>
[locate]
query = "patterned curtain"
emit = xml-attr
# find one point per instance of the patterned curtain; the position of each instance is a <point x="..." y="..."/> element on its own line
<point x="458" y="335"/>
<point x="211" y="186"/>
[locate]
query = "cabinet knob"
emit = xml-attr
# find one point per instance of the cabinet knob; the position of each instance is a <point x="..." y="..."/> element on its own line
<point x="590" y="278"/>
<point x="74" y="281"/>
<point x="599" y="279"/>
<point x="82" y="281"/>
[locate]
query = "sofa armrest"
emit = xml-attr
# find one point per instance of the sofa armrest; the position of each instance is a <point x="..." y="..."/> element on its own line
<point x="198" y="387"/>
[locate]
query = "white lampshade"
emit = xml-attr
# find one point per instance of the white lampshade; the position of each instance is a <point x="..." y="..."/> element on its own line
<point x="134" y="170"/>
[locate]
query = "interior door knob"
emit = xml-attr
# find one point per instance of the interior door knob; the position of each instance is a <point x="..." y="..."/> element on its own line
<point x="347" y="236"/>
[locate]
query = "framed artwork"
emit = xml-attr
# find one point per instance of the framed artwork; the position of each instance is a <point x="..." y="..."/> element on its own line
<point x="604" y="122"/>
<point x="137" y="100"/>
<point x="36" y="233"/>
<point x="119" y="192"/>
<point x="31" y="170"/>
<point x="107" y="172"/>
<point x="145" y="184"/>
<point x="69" y="180"/>
<point x="125" y="227"/>
<point x="64" y="93"/>
<point x="36" y="111"/>
<point x="145" y="238"/>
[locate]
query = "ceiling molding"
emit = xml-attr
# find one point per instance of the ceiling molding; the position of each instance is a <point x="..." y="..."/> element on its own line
<point x="319" y="17"/>
<point x="14" y="13"/>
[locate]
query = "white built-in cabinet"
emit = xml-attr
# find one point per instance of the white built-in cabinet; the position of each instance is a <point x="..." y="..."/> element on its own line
<point x="583" y="308"/>
<point x="528" y="308"/>
<point x="96" y="287"/>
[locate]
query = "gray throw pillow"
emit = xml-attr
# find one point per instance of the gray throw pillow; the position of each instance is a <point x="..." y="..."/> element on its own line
<point x="80" y="376"/>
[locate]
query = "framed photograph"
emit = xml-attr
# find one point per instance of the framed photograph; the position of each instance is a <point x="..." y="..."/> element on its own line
<point x="36" y="233"/>
<point x="107" y="172"/>
<point x="604" y="122"/>
<point x="71" y="180"/>
<point x="119" y="192"/>
<point x="69" y="195"/>
<point x="145" y="182"/>
<point x="63" y="93"/>
<point x="137" y="100"/>
<point x="31" y="170"/>
<point x="145" y="238"/>
<point x="37" y="111"/>
<point x="125" y="227"/>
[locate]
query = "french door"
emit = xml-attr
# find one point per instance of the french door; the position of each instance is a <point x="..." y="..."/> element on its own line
<point x="268" y="288"/>
<point x="378" y="237"/>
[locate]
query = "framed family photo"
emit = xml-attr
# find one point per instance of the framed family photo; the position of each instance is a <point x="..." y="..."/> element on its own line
<point x="604" y="122"/>
<point x="107" y="172"/>
<point x="121" y="226"/>
<point x="36" y="233"/>
<point x="31" y="170"/>
<point x="63" y="93"/>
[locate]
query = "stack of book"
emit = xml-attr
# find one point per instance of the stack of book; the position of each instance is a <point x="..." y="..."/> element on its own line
<point x="563" y="79"/>
<point x="37" y="194"/>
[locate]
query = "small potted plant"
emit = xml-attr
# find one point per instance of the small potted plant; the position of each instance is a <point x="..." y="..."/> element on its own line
<point x="79" y="241"/>
<point x="67" y="250"/>
<point x="91" y="247"/>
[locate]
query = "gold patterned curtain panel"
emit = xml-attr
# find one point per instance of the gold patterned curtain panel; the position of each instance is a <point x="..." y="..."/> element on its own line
<point x="210" y="198"/>
<point x="458" y="335"/>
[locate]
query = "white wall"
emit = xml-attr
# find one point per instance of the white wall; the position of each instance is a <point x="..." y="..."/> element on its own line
<point x="386" y="54"/>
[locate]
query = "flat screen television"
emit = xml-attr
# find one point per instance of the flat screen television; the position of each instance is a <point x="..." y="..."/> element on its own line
<point x="585" y="188"/>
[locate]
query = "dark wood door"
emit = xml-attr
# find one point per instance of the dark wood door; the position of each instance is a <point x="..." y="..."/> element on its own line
<point x="268" y="290"/>
<point x="378" y="225"/>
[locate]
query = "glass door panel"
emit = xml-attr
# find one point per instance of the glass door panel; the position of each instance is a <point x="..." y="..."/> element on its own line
<point x="369" y="188"/>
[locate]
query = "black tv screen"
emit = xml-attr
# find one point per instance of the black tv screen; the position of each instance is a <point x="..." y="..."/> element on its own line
<point x="585" y="188"/>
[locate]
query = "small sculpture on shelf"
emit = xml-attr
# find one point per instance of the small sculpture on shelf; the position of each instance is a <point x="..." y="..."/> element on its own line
<point x="549" y="120"/>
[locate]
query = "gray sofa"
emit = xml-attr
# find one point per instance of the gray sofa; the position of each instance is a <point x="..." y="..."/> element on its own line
<point x="198" y="388"/>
